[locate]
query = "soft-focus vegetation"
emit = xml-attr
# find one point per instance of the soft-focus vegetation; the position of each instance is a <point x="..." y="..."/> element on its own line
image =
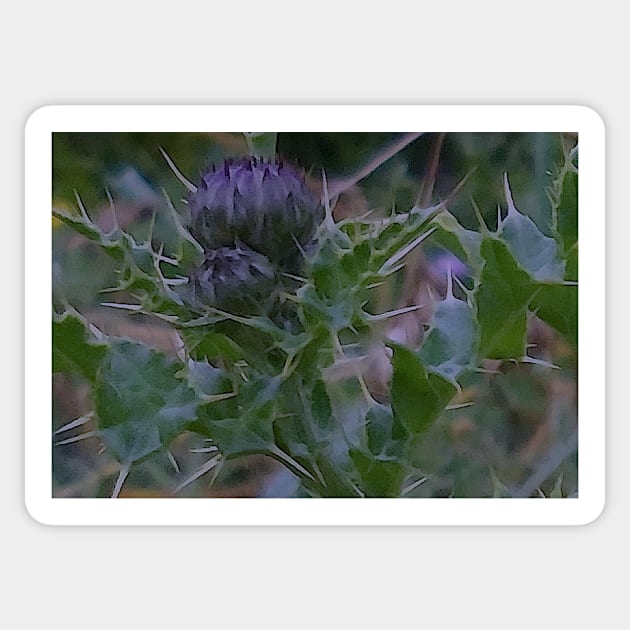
<point x="424" y="343"/>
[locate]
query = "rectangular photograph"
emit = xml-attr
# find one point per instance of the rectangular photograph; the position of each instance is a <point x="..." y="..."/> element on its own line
<point x="257" y="317"/>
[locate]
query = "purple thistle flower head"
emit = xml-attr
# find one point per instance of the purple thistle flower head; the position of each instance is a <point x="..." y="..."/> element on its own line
<point x="264" y="205"/>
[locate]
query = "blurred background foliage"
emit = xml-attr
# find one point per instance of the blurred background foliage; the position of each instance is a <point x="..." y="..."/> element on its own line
<point x="523" y="420"/>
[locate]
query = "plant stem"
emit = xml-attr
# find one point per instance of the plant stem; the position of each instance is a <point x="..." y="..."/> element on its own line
<point x="262" y="144"/>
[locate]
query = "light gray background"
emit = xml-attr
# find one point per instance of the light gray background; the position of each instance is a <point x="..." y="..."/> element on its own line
<point x="222" y="53"/>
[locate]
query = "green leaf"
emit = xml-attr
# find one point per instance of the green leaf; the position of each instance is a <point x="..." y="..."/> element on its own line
<point x="503" y="297"/>
<point x="140" y="403"/>
<point x="558" y="304"/>
<point x="385" y="435"/>
<point x="74" y="350"/>
<point x="251" y="429"/>
<point x="208" y="380"/>
<point x="456" y="238"/>
<point x="321" y="409"/>
<point x="450" y="345"/>
<point x="556" y="492"/>
<point x="418" y="396"/>
<point x="212" y="345"/>
<point x="379" y="478"/>
<point x="535" y="253"/>
<point x="567" y="211"/>
<point x="563" y="196"/>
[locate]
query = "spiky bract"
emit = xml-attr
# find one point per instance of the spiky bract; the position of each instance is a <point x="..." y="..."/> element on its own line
<point x="265" y="205"/>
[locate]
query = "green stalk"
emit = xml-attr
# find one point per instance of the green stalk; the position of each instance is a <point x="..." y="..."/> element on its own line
<point x="262" y="144"/>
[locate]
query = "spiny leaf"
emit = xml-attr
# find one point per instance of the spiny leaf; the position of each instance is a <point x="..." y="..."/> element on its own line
<point x="418" y="396"/>
<point x="456" y="238"/>
<point x="450" y="345"/>
<point x="503" y="297"/>
<point x="74" y="349"/>
<point x="384" y="432"/>
<point x="558" y="304"/>
<point x="140" y="403"/>
<point x="536" y="253"/>
<point x="212" y="345"/>
<point x="250" y="430"/>
<point x="563" y="197"/>
<point x="378" y="478"/>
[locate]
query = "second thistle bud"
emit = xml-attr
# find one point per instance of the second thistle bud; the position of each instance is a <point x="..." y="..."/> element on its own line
<point x="235" y="279"/>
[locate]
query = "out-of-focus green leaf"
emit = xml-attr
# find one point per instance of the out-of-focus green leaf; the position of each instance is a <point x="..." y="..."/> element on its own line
<point x="251" y="430"/>
<point x="558" y="304"/>
<point x="140" y="403"/>
<point x="563" y="196"/>
<point x="568" y="211"/>
<point x="73" y="348"/>
<point x="379" y="478"/>
<point x="503" y="297"/>
<point x="418" y="396"/>
<point x="321" y="408"/>
<point x="208" y="380"/>
<point x="212" y="345"/>
<point x="556" y="492"/>
<point x="456" y="238"/>
<point x="449" y="347"/>
<point x="536" y="253"/>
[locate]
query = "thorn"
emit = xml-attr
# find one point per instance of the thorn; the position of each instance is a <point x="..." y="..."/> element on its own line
<point x="299" y="246"/>
<point x="328" y="220"/>
<point x="171" y="458"/>
<point x="482" y="224"/>
<point x="207" y="449"/>
<point x="320" y="477"/>
<point x="293" y="276"/>
<point x="485" y="371"/>
<point x="388" y="314"/>
<point x="393" y="270"/>
<point x="112" y="290"/>
<point x="202" y="470"/>
<point x="125" y="307"/>
<point x="459" y="406"/>
<point x="84" y="213"/>
<point x="122" y="475"/>
<point x="534" y="361"/>
<point x="375" y="285"/>
<point x="75" y="423"/>
<point x="462" y="286"/>
<point x="189" y="185"/>
<point x="78" y="438"/>
<point x="508" y="194"/>
<point x="149" y="238"/>
<point x="291" y="462"/>
<point x="413" y="486"/>
<point x="405" y="250"/>
<point x="210" y="398"/>
<point x="116" y="227"/>
<point x="449" y="283"/>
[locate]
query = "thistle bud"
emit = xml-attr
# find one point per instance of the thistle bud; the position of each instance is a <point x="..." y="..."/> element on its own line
<point x="235" y="279"/>
<point x="266" y="206"/>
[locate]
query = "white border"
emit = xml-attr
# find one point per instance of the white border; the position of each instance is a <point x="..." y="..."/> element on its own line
<point x="38" y="343"/>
